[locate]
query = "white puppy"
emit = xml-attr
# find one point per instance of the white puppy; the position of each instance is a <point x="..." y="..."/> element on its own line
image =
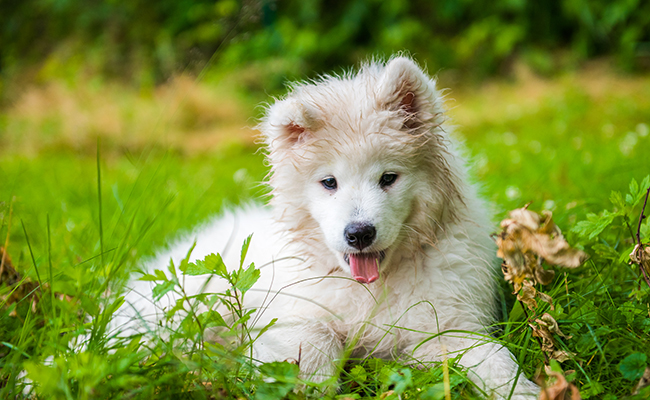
<point x="375" y="240"/>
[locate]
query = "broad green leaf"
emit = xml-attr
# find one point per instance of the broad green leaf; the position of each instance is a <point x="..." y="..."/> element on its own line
<point x="434" y="392"/>
<point x="246" y="278"/>
<point x="244" y="250"/>
<point x="283" y="376"/>
<point x="633" y="366"/>
<point x="211" y="264"/>
<point x="212" y="318"/>
<point x="282" y="371"/>
<point x="273" y="390"/>
<point x="401" y="379"/>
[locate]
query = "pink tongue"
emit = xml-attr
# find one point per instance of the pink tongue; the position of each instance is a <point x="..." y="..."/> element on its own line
<point x="365" y="267"/>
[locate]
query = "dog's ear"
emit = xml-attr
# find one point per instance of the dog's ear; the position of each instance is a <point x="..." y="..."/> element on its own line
<point x="404" y="87"/>
<point x="288" y="123"/>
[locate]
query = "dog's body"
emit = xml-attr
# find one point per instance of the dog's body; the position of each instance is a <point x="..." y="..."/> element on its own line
<point x="375" y="241"/>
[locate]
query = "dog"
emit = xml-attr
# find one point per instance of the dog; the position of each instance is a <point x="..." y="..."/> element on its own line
<point x="375" y="243"/>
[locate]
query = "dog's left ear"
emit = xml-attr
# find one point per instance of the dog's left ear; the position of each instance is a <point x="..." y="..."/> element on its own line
<point x="288" y="123"/>
<point x="404" y="87"/>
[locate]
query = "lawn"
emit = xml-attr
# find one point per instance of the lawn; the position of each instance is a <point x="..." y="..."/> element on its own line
<point x="97" y="175"/>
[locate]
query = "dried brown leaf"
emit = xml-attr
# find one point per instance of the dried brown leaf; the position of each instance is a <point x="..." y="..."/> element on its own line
<point x="546" y="298"/>
<point x="525" y="217"/>
<point x="562" y="355"/>
<point x="527" y="295"/>
<point x="544" y="276"/>
<point x="550" y="322"/>
<point x="542" y="332"/>
<point x="524" y="231"/>
<point x="560" y="390"/>
<point x="545" y="327"/>
<point x="641" y="256"/>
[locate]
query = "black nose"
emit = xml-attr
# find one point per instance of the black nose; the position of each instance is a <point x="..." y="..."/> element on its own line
<point x="360" y="235"/>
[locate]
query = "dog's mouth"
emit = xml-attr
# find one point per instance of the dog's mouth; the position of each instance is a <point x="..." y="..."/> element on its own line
<point x="364" y="266"/>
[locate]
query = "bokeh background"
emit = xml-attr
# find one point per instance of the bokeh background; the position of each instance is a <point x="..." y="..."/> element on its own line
<point x="72" y="70"/>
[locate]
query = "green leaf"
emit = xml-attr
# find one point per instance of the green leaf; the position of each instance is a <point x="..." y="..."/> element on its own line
<point x="637" y="192"/>
<point x="634" y="188"/>
<point x="266" y="328"/>
<point x="134" y="344"/>
<point x="161" y="289"/>
<point x="645" y="184"/>
<point x="359" y="374"/>
<point x="158" y="275"/>
<point x="180" y="305"/>
<point x="633" y="366"/>
<point x="211" y="264"/>
<point x="212" y="318"/>
<point x="246" y="278"/>
<point x="185" y="261"/>
<point x="401" y="379"/>
<point x="244" y="319"/>
<point x="625" y="255"/>
<point x="591" y="389"/>
<point x="617" y="199"/>
<point x="281" y="371"/>
<point x="272" y="390"/>
<point x="434" y="392"/>
<point x="594" y="224"/>
<point x="244" y="250"/>
<point x="284" y="377"/>
<point x="605" y="251"/>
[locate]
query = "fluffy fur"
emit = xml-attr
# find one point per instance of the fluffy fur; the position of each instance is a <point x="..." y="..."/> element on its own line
<point x="430" y="232"/>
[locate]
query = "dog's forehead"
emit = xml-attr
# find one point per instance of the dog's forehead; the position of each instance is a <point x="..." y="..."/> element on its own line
<point x="340" y="151"/>
<point x="345" y="102"/>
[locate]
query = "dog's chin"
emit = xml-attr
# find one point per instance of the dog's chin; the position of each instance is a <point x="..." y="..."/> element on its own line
<point x="363" y="266"/>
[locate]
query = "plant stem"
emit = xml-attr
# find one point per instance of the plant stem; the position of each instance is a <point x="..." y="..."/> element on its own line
<point x="638" y="229"/>
<point x="539" y="340"/>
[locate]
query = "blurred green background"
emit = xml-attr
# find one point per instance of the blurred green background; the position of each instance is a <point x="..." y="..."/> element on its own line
<point x="148" y="41"/>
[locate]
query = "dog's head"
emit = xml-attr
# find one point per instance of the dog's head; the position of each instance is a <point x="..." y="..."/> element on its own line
<point x="359" y="163"/>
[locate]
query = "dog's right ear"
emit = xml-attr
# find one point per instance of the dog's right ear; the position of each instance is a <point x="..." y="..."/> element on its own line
<point x="288" y="123"/>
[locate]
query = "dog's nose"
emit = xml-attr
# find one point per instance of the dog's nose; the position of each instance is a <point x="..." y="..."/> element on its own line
<point x="360" y="235"/>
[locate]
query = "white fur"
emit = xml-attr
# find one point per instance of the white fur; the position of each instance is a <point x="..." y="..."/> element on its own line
<point x="438" y="270"/>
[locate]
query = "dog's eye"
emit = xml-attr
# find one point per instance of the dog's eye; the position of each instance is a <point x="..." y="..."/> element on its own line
<point x="387" y="179"/>
<point x="329" y="183"/>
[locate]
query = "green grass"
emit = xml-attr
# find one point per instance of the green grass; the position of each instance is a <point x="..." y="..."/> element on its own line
<point x="563" y="145"/>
